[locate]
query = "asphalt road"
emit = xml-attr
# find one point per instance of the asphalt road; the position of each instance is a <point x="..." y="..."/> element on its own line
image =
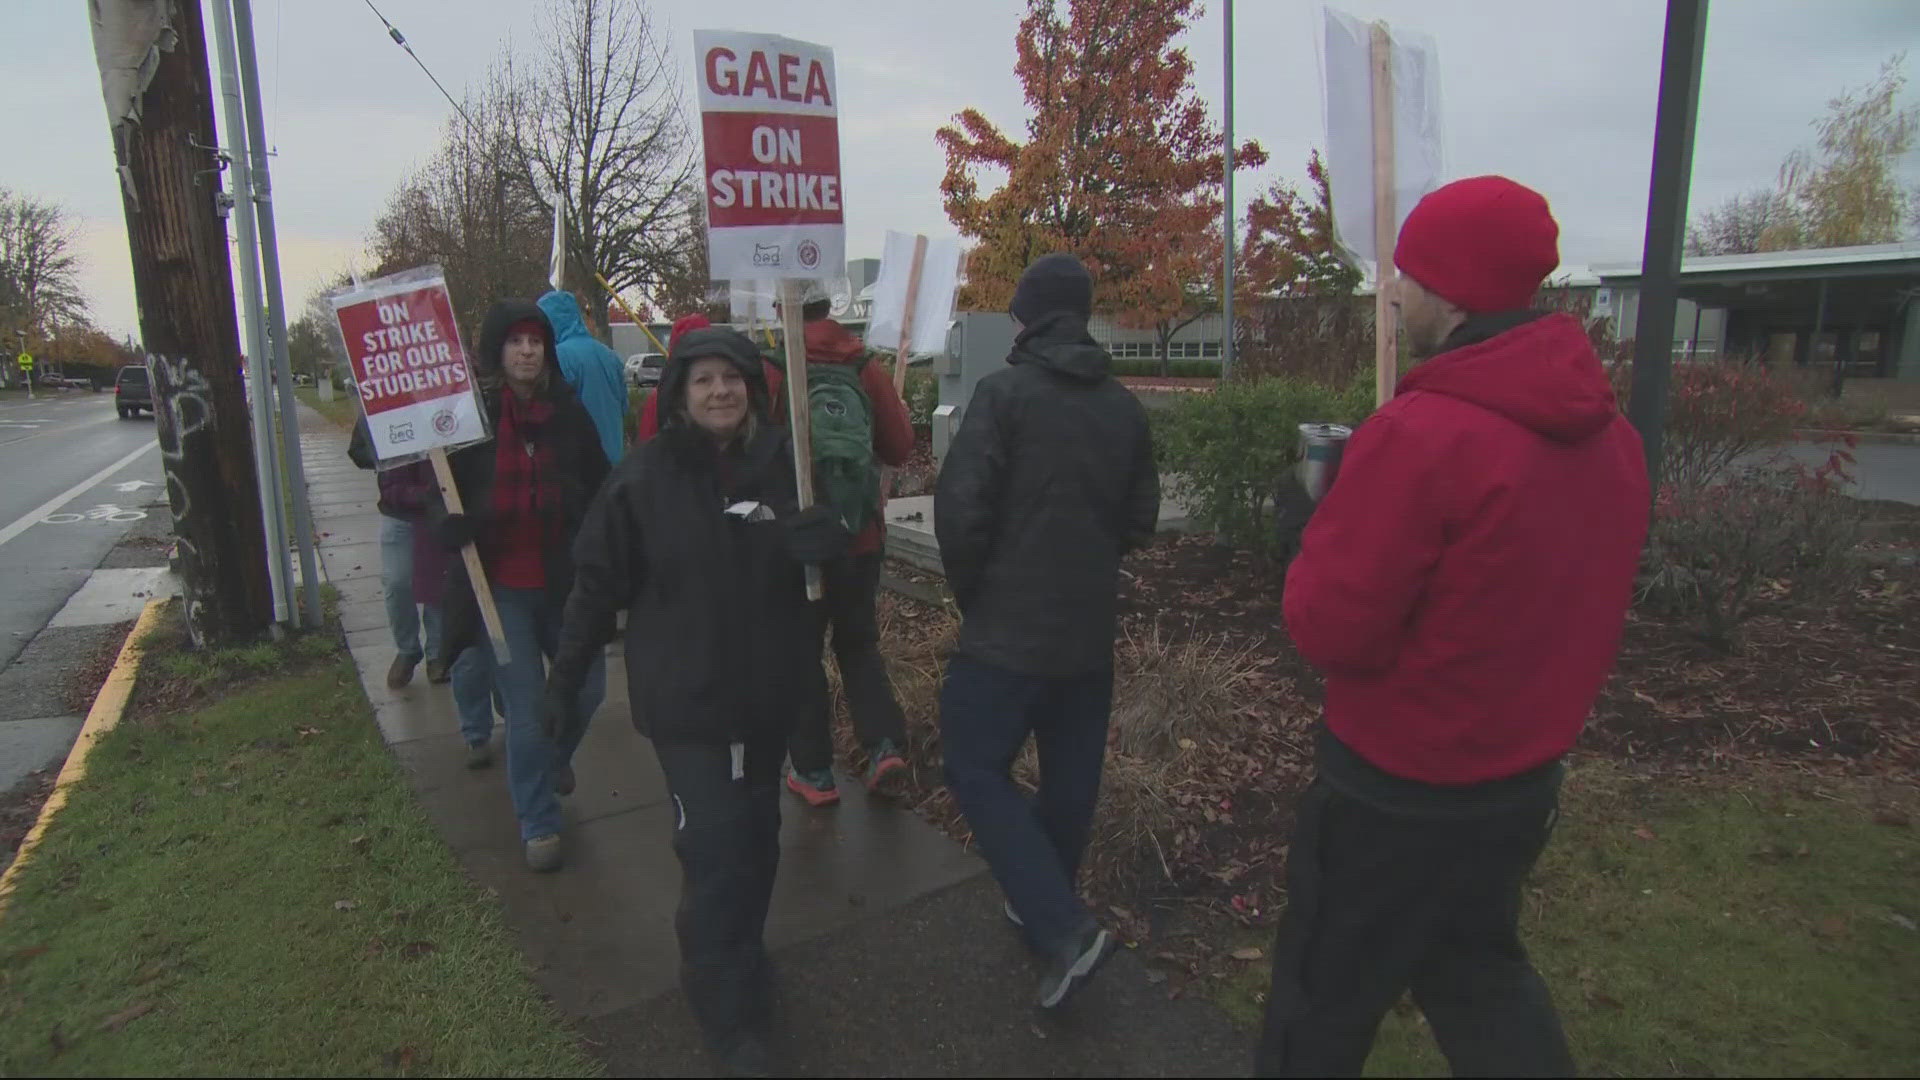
<point x="73" y="478"/>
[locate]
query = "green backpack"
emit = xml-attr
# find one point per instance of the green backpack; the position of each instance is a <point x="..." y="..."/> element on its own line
<point x="846" y="475"/>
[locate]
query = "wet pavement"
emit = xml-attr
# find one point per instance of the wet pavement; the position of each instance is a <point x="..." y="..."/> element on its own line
<point x="893" y="958"/>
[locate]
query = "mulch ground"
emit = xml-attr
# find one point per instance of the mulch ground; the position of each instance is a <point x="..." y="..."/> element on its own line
<point x="1833" y="690"/>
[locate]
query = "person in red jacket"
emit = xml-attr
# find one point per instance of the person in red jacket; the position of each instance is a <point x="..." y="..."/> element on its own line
<point x="852" y="588"/>
<point x="1462" y="587"/>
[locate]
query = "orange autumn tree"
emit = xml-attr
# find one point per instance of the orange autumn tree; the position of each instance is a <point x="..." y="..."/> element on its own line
<point x="1287" y="243"/>
<point x="1120" y="167"/>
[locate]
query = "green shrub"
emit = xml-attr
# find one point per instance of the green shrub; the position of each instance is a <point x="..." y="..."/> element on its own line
<point x="1227" y="449"/>
<point x="923" y="395"/>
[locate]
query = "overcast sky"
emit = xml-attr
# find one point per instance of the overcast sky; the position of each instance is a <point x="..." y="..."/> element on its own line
<point x="1556" y="94"/>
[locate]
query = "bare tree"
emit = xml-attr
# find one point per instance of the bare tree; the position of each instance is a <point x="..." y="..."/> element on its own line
<point x="39" y="268"/>
<point x="1737" y="226"/>
<point x="472" y="209"/>
<point x="603" y="125"/>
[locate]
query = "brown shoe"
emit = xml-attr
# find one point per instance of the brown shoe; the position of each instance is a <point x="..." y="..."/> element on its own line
<point x="400" y="673"/>
<point x="438" y="672"/>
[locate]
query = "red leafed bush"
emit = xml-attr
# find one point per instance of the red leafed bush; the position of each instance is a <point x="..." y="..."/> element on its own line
<point x="1721" y="413"/>
<point x="1775" y="530"/>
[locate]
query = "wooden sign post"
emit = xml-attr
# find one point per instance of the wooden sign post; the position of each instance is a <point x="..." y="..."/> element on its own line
<point x="906" y="319"/>
<point x="476" y="573"/>
<point x="793" y="324"/>
<point x="1386" y="335"/>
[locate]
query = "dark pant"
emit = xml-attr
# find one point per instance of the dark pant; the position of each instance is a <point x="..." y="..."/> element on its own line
<point x="1380" y="903"/>
<point x="851" y="583"/>
<point x="727" y="836"/>
<point x="1034" y="848"/>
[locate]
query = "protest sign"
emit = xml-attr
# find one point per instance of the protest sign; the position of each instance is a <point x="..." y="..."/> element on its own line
<point x="913" y="296"/>
<point x="769" y="120"/>
<point x="1382" y="95"/>
<point x="418" y="394"/>
<point x="403" y="348"/>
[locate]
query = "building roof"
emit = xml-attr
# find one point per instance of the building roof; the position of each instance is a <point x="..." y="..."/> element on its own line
<point x="1865" y="260"/>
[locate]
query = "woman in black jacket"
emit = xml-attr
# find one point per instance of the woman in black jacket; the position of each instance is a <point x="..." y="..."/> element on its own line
<point x="698" y="537"/>
<point x="525" y="494"/>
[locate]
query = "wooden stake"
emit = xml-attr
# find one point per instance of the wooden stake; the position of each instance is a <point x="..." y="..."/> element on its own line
<point x="793" y="323"/>
<point x="906" y="319"/>
<point x="476" y="574"/>
<point x="1386" y="337"/>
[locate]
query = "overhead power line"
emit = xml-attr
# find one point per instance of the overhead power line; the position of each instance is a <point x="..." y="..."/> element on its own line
<point x="401" y="40"/>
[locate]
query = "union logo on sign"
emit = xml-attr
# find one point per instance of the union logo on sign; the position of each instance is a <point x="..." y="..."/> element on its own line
<point x="444" y="422"/>
<point x="809" y="254"/>
<point x="766" y="255"/>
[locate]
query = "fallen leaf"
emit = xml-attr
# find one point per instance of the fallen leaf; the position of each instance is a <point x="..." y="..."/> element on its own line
<point x="1251" y="952"/>
<point x="1893" y="818"/>
<point x="1644" y="833"/>
<point x="1832" y="926"/>
<point x="1604" y="1000"/>
<point x="28" y="953"/>
<point x="126" y="1016"/>
<point x="401" y="1057"/>
<point x="1187" y="744"/>
<point x="304" y="731"/>
<point x="358" y="842"/>
<point x="1156" y="976"/>
<point x="344" y="905"/>
<point x="414" y="950"/>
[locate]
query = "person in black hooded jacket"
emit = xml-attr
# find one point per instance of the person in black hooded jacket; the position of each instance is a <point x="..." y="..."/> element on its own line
<point x="1050" y="480"/>
<point x="524" y="494"/>
<point x="698" y="537"/>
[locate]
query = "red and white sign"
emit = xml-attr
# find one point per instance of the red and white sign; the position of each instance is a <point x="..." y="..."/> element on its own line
<point x="415" y="386"/>
<point x="769" y="117"/>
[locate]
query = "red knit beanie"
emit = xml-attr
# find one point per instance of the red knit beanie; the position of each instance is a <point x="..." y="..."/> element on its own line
<point x="684" y="323"/>
<point x="1485" y="244"/>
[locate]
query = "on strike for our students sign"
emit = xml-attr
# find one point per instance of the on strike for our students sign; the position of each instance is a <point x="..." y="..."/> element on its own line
<point x="769" y="117"/>
<point x="415" y="387"/>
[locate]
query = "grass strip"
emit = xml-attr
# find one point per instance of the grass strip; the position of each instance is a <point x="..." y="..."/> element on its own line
<point x="244" y="885"/>
<point x="1761" y="926"/>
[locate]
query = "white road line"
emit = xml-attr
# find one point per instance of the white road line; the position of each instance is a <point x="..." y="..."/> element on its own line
<point x="71" y="493"/>
<point x="62" y="430"/>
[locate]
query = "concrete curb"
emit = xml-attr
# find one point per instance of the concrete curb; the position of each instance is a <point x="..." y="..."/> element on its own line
<point x="1865" y="438"/>
<point x="108" y="707"/>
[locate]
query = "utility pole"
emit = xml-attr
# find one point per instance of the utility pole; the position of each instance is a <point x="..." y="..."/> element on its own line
<point x="281" y="366"/>
<point x="1226" y="212"/>
<point x="1686" y="36"/>
<point x="159" y="97"/>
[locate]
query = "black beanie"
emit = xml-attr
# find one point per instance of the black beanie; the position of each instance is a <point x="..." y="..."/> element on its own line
<point x="1053" y="283"/>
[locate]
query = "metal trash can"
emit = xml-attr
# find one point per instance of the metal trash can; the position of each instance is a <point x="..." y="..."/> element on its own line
<point x="1321" y="446"/>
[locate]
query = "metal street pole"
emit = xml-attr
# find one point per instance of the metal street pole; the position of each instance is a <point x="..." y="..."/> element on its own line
<point x="1686" y="38"/>
<point x="1226" y="212"/>
<point x="267" y="477"/>
<point x="282" y="368"/>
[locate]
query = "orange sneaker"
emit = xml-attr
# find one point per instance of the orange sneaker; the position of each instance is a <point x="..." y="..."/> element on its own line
<point x="816" y="787"/>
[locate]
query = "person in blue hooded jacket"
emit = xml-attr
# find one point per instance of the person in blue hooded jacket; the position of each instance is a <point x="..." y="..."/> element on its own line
<point x="592" y="369"/>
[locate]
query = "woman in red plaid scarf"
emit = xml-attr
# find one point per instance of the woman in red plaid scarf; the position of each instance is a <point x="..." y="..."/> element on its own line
<point x="525" y="493"/>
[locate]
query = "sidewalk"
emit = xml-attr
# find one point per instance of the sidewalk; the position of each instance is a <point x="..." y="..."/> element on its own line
<point x="892" y="955"/>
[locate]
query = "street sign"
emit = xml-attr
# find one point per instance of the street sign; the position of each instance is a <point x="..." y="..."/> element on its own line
<point x="26" y="361"/>
<point x="769" y="120"/>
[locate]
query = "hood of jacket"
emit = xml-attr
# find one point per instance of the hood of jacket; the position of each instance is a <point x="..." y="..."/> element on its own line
<point x="563" y="311"/>
<point x="1538" y="371"/>
<point x="493" y="337"/>
<point x="1061" y="343"/>
<point x="730" y="345"/>
<point x="828" y="342"/>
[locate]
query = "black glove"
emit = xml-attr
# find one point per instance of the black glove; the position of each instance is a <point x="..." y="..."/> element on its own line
<point x="815" y="535"/>
<point x="455" y="531"/>
<point x="558" y="708"/>
<point x="1292" y="509"/>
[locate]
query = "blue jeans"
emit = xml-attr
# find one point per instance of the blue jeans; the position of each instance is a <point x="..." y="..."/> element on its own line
<point x="1033" y="847"/>
<point x="532" y="625"/>
<point x="396" y="579"/>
